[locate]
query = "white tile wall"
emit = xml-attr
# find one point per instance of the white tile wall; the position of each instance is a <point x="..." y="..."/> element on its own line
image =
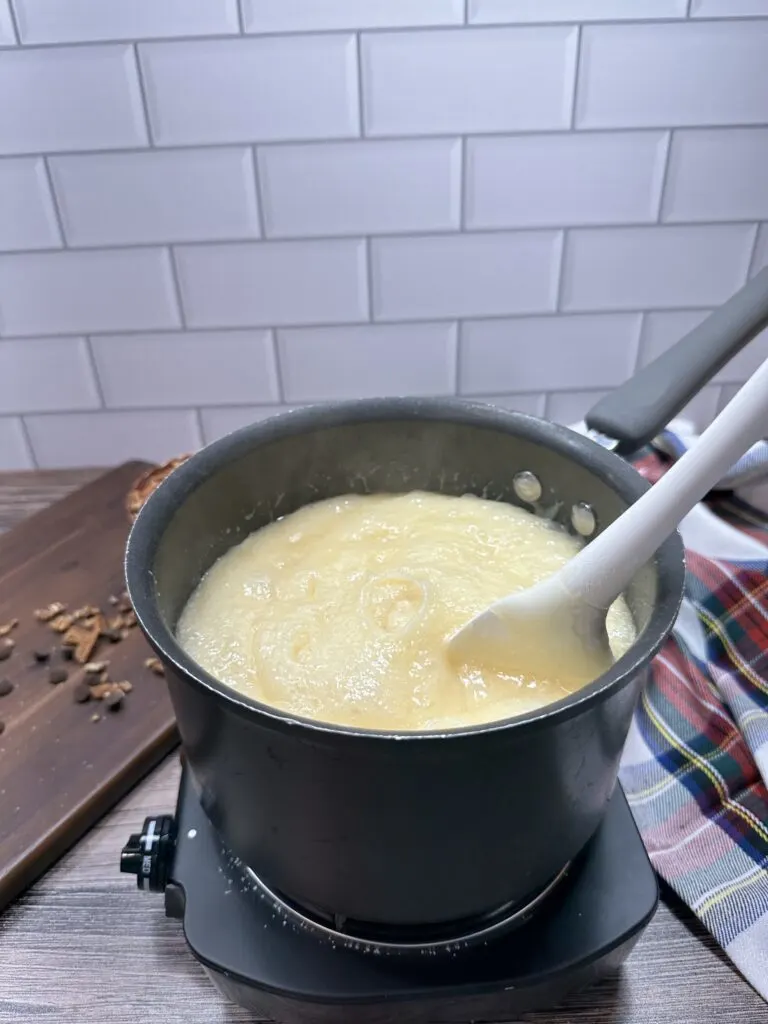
<point x="514" y="11"/>
<point x="301" y="16"/>
<point x="70" y="292"/>
<point x="46" y="375"/>
<point x="700" y="73"/>
<point x="27" y="216"/>
<point x="160" y="196"/>
<point x="365" y="362"/>
<point x="205" y="368"/>
<point x="103" y="438"/>
<point x="655" y="267"/>
<point x="74" y="21"/>
<point x="247" y="90"/>
<point x="435" y="276"/>
<point x="547" y="353"/>
<point x="343" y="188"/>
<point x="273" y="283"/>
<point x="428" y="83"/>
<point x="717" y="174"/>
<point x="69" y="98"/>
<point x="561" y="179"/>
<point x="272" y="202"/>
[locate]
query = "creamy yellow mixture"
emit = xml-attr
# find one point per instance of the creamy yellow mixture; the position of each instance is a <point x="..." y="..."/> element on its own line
<point x="341" y="611"/>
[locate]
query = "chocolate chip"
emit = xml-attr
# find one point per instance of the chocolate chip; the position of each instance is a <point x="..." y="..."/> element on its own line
<point x="57" y="675"/>
<point x="67" y="653"/>
<point x="114" y="699"/>
<point x="41" y="656"/>
<point x="2" y="727"/>
<point x="6" y="687"/>
<point x="6" y="649"/>
<point x="82" y="693"/>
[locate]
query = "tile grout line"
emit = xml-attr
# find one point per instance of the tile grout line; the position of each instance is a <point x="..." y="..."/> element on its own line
<point x="359" y="84"/>
<point x="665" y="177"/>
<point x="753" y="252"/>
<point x="260" y="212"/>
<point x="143" y="96"/>
<point x="576" y="77"/>
<point x="638" y="344"/>
<point x="561" y="272"/>
<point x="548" y="131"/>
<point x="199" y="425"/>
<point x="90" y="356"/>
<point x="55" y="202"/>
<point x="278" y="365"/>
<point x="459" y="335"/>
<point x="28" y="441"/>
<point x="463" y="184"/>
<point x="369" y="277"/>
<point x="240" y="17"/>
<point x="14" y="21"/>
<point x="176" y="283"/>
<point x="446" y="27"/>
<point x="292" y="240"/>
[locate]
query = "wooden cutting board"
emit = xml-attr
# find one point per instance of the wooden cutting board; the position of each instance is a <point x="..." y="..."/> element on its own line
<point x="60" y="770"/>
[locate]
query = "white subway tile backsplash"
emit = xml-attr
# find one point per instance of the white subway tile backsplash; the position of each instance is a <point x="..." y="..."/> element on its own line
<point x="306" y="15"/>
<point x="760" y="258"/>
<point x="655" y="267"/>
<point x="201" y="368"/>
<point x="515" y="11"/>
<point x="27" y="217"/>
<point x="442" y="276"/>
<point x="46" y="374"/>
<point x="217" y="422"/>
<point x="342" y="188"/>
<point x="14" y="453"/>
<point x="363" y="362"/>
<point x="702" y="409"/>
<point x="74" y="21"/>
<point x="158" y="196"/>
<point x="105" y="438"/>
<point x="7" y="34"/>
<point x="273" y="283"/>
<point x="728" y="8"/>
<point x="547" y="353"/>
<point x="727" y="393"/>
<point x="566" y="178"/>
<point x="69" y="98"/>
<point x="71" y="292"/>
<point x="470" y="80"/>
<point x="570" y="407"/>
<point x="248" y="90"/>
<point x="717" y="174"/>
<point x="676" y="74"/>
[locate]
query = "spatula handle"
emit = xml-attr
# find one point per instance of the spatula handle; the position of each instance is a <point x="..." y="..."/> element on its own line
<point x="604" y="568"/>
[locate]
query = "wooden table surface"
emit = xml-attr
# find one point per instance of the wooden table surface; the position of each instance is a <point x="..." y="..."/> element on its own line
<point x="83" y="946"/>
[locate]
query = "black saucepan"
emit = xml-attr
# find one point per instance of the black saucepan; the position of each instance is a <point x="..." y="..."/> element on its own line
<point x="420" y="828"/>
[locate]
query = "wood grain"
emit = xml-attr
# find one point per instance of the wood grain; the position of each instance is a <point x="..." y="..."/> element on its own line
<point x="83" y="946"/>
<point x="59" y="770"/>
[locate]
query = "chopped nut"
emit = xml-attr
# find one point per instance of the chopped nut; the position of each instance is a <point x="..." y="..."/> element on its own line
<point x="113" y="600"/>
<point x="125" y="686"/>
<point x="6" y="628"/>
<point x="154" y="665"/>
<point x="61" y="623"/>
<point x="41" y="656"/>
<point x="6" y="687"/>
<point x="87" y="611"/>
<point x="116" y="622"/>
<point x="100" y="690"/>
<point x="6" y="648"/>
<point x="124" y="602"/>
<point x="114" y="699"/>
<point x="46" y="614"/>
<point x="124" y="634"/>
<point x="83" y="640"/>
<point x="129" y="619"/>
<point x="95" y="718"/>
<point x="82" y="693"/>
<point x="95" y="668"/>
<point x="57" y="675"/>
<point x="113" y="635"/>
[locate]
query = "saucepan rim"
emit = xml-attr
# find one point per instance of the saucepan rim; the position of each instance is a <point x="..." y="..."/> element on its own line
<point x="159" y="510"/>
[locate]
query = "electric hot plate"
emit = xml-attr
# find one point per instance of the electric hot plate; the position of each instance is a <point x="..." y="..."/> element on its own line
<point x="294" y="965"/>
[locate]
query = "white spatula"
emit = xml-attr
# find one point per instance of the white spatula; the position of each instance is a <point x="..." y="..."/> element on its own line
<point x="556" y="629"/>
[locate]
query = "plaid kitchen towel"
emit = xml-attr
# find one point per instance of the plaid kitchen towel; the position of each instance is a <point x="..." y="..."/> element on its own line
<point x="696" y="762"/>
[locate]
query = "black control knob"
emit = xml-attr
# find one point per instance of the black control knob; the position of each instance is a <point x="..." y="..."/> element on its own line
<point x="149" y="856"/>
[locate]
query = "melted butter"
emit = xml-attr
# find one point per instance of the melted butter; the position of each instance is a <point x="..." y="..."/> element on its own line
<point x="341" y="611"/>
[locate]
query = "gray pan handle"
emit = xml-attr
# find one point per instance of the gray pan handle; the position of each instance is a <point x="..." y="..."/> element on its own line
<point x="639" y="409"/>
